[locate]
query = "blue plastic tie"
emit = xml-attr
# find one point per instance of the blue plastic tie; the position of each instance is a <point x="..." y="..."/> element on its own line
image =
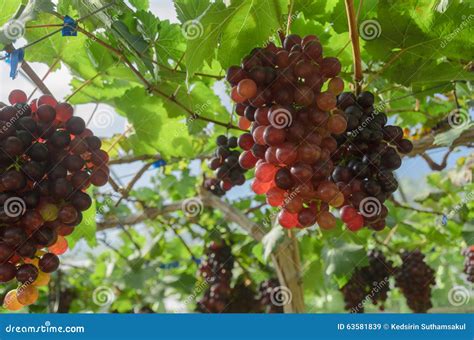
<point x="70" y="27"/>
<point x="15" y="58"/>
<point x="444" y="221"/>
<point x="159" y="163"/>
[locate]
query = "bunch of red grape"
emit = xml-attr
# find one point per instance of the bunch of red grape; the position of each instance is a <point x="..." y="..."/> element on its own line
<point x="226" y="163"/>
<point x="366" y="157"/>
<point x="469" y="263"/>
<point x="48" y="158"/>
<point x="279" y="94"/>
<point x="369" y="283"/>
<point x="415" y="278"/>
<point x="268" y="291"/>
<point x="216" y="270"/>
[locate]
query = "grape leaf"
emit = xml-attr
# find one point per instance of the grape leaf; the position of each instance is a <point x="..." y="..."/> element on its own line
<point x="248" y="24"/>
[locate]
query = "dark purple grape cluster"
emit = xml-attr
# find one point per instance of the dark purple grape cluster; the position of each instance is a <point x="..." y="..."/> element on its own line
<point x="213" y="186"/>
<point x="48" y="158"/>
<point x="415" y="278"/>
<point x="225" y="163"/>
<point x="268" y="291"/>
<point x="367" y="155"/>
<point x="469" y="263"/>
<point x="355" y="292"/>
<point x="243" y="299"/>
<point x="369" y="283"/>
<point x="216" y="270"/>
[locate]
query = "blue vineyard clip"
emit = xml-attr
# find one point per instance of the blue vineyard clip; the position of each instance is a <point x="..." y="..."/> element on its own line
<point x="444" y="221"/>
<point x="70" y="27"/>
<point x="159" y="163"/>
<point x="14" y="59"/>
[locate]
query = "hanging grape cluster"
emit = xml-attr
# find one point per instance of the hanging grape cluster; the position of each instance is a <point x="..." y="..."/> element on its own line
<point x="415" y="278"/>
<point x="216" y="270"/>
<point x="221" y="296"/>
<point x="226" y="164"/>
<point x="469" y="263"/>
<point x="367" y="156"/>
<point x="369" y="283"/>
<point x="48" y="158"/>
<point x="292" y="119"/>
<point x="268" y="290"/>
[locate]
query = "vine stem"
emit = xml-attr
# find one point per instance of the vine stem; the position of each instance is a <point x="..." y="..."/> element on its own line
<point x="353" y="32"/>
<point x="400" y="205"/>
<point x="148" y="85"/>
<point x="290" y="10"/>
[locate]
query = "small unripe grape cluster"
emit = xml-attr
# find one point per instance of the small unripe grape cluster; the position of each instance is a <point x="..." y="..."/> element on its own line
<point x="415" y="278"/>
<point x="225" y="163"/>
<point x="469" y="263"/>
<point x="48" y="158"/>
<point x="366" y="157"/>
<point x="279" y="95"/>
